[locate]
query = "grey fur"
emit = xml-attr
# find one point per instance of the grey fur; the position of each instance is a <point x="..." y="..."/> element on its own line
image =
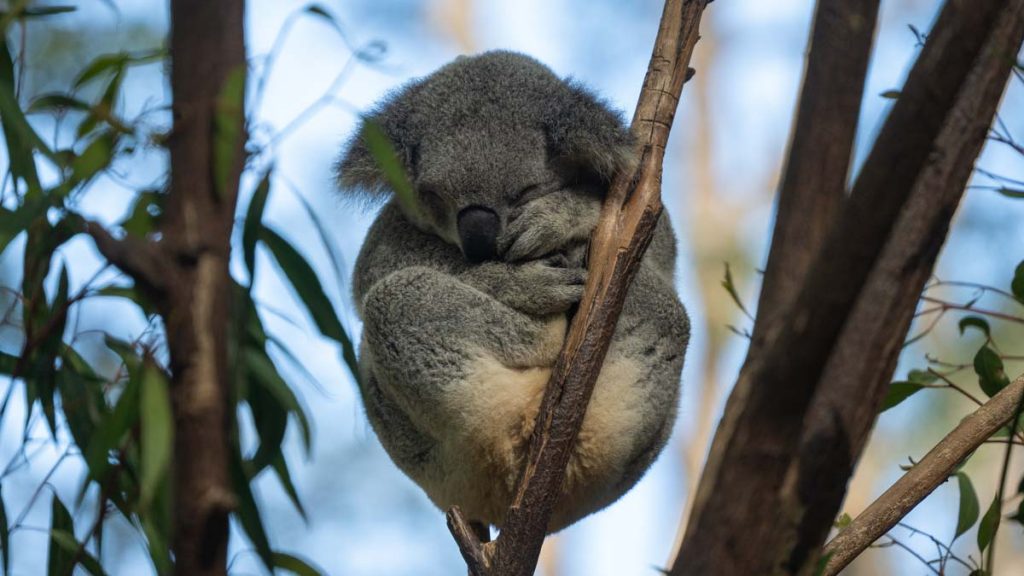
<point x="454" y="354"/>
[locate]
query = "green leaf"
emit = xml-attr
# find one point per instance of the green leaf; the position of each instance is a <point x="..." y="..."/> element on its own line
<point x="295" y="565"/>
<point x="898" y="392"/>
<point x="14" y="222"/>
<point x="306" y="284"/>
<point x="22" y="140"/>
<point x="262" y="371"/>
<point x="68" y="545"/>
<point x="61" y="560"/>
<point x="81" y="397"/>
<point x="248" y="513"/>
<point x="890" y="94"/>
<point x="5" y="537"/>
<point x="157" y="431"/>
<point x="158" y="545"/>
<point x="56" y="102"/>
<point x="730" y="287"/>
<point x="1011" y="192"/>
<point x="922" y="376"/>
<point x="989" y="524"/>
<point x="145" y="213"/>
<point x="96" y="157"/>
<point x="253" y="224"/>
<point x="989" y="368"/>
<point x="975" y="322"/>
<point x="969" y="508"/>
<point x="228" y="129"/>
<point x="99" y="66"/>
<point x="1017" y="284"/>
<point x="384" y="153"/>
<point x="111" y="431"/>
<point x="280" y="467"/>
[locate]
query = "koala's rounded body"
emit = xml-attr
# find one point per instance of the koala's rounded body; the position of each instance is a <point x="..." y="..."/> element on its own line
<point x="464" y="293"/>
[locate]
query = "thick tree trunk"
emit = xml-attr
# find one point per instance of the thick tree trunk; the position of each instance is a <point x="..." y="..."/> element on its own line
<point x="787" y="445"/>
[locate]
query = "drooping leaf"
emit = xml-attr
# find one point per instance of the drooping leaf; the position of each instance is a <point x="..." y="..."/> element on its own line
<point x="262" y="372"/>
<point x="228" y="124"/>
<point x="1016" y="193"/>
<point x="14" y="222"/>
<point x="157" y="436"/>
<point x="248" y="513"/>
<point x="5" y="536"/>
<point x="969" y="508"/>
<point x="387" y="159"/>
<point x="81" y="397"/>
<point x="56" y="102"/>
<point x="253" y="224"/>
<point x="307" y="285"/>
<point x="730" y="287"/>
<point x="975" y="322"/>
<point x="67" y="544"/>
<point x="22" y="140"/>
<point x="295" y="565"/>
<point x="989" y="368"/>
<point x="60" y="560"/>
<point x="1017" y="284"/>
<point x="989" y="524"/>
<point x="111" y="431"/>
<point x="280" y="467"/>
<point x="898" y="392"/>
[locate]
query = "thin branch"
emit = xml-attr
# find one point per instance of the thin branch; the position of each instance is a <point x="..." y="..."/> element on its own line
<point x="627" y="222"/>
<point x="139" y="259"/>
<point x="923" y="478"/>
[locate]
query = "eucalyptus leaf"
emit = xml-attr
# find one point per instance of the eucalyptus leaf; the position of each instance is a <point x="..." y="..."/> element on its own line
<point x="989" y="368"/>
<point x="228" y="129"/>
<point x="60" y="560"/>
<point x="898" y="392"/>
<point x="1017" y="284"/>
<point x="295" y="565"/>
<point x="969" y="508"/>
<point x="975" y="322"/>
<point x="157" y="432"/>
<point x="253" y="224"/>
<point x="989" y="524"/>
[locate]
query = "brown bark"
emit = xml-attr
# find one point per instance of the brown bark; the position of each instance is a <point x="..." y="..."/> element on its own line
<point x="857" y="376"/>
<point x="187" y="272"/>
<point x="755" y="469"/>
<point x="921" y="480"/>
<point x="818" y="161"/>
<point x="206" y="48"/>
<point x="622" y="235"/>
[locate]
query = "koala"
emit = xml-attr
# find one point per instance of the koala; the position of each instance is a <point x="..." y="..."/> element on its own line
<point x="464" y="294"/>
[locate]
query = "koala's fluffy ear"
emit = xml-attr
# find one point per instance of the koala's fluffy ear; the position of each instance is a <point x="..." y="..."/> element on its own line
<point x="358" y="172"/>
<point x="587" y="134"/>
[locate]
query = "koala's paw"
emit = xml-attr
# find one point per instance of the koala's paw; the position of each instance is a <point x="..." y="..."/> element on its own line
<point x="548" y="286"/>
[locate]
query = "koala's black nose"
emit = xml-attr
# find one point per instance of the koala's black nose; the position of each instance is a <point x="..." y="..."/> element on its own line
<point x="478" y="231"/>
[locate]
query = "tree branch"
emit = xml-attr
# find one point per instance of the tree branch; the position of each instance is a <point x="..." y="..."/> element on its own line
<point x="755" y="468"/>
<point x="924" y="477"/>
<point x="138" y="258"/>
<point x="627" y="222"/>
<point x="814" y="179"/>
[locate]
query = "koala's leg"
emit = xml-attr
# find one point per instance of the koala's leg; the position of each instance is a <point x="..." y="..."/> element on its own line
<point x="461" y="368"/>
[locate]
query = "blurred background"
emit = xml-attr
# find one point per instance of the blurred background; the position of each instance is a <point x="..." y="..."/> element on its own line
<point x="721" y="171"/>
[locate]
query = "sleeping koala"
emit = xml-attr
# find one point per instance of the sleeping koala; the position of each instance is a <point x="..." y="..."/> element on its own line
<point x="464" y="296"/>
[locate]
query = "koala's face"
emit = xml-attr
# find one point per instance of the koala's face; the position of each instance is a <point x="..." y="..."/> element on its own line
<point x="473" y="181"/>
<point x="482" y="139"/>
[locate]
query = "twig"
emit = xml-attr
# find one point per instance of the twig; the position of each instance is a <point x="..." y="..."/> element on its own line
<point x="923" y="478"/>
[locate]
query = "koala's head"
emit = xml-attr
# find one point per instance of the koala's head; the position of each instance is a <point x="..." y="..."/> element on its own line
<point x="482" y="136"/>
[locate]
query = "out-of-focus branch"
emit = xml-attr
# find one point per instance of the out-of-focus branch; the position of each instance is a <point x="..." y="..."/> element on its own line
<point x="842" y="413"/>
<point x="627" y="223"/>
<point x="138" y="258"/>
<point x="923" y="478"/>
<point x="760" y="459"/>
<point x="814" y="179"/>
